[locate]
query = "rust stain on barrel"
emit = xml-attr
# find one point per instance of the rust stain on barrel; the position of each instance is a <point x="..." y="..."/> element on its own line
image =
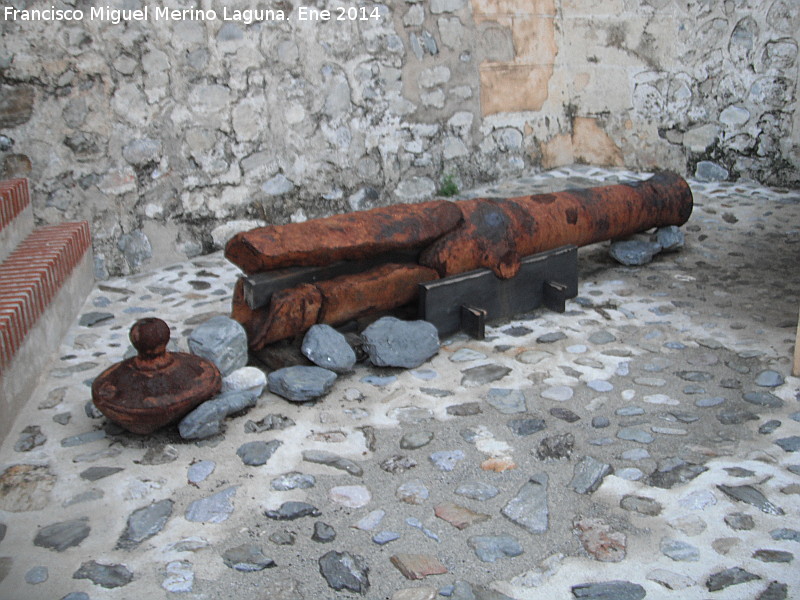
<point x="352" y="296"/>
<point x="351" y="236"/>
<point x="543" y="222"/>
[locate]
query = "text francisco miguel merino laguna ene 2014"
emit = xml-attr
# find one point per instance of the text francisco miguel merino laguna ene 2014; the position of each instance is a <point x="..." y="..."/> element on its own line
<point x="162" y="13"/>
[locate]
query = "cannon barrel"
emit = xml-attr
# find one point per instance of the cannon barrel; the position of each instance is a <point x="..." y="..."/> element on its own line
<point x="451" y="237"/>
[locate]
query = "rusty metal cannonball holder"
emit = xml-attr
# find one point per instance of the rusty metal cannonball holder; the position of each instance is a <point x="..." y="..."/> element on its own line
<point x="155" y="388"/>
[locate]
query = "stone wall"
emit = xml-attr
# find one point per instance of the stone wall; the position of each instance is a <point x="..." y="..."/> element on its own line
<point x="168" y="134"/>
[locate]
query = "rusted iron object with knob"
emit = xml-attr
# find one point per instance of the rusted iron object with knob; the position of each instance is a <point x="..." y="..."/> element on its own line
<point x="157" y="387"/>
<point x="447" y="239"/>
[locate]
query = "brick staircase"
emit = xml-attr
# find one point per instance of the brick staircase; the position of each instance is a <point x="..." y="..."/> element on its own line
<point x="45" y="276"/>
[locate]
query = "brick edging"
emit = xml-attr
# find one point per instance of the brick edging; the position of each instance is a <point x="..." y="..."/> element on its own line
<point x="31" y="277"/>
<point x="14" y="197"/>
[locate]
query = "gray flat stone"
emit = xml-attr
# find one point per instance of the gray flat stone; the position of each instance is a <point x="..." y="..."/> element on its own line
<point x="528" y="508"/>
<point x="289" y="511"/>
<point x="416" y="439"/>
<point x="564" y="414"/>
<point x="97" y="473"/>
<point x="467" y="409"/>
<point x="507" y="401"/>
<point x="255" y="454"/>
<point x="709" y="402"/>
<point x="91" y="319"/>
<point x="390" y="342"/>
<point x="83" y="438"/>
<point x="345" y="571"/>
<point x="602" y="337"/>
<point x="323" y="533"/>
<point x="483" y="374"/>
<point x="736" y="416"/>
<point x="674" y="471"/>
<point x="466" y="355"/>
<point x="199" y="471"/>
<point x="774" y="591"/>
<point x="384" y="537"/>
<point x="634" y="434"/>
<point x="641" y="504"/>
<point x="633" y="253"/>
<point x="477" y="490"/>
<point x="301" y="384"/>
<point x="784" y="533"/>
<point x="609" y="590"/>
<point x="30" y="438"/>
<point x="207" y="419"/>
<point x="679" y="550"/>
<point x="600" y="385"/>
<point x="695" y="376"/>
<point x="327" y="348"/>
<point x="740" y="521"/>
<point x="766" y="399"/>
<point x="750" y="495"/>
<point x="6" y="563"/>
<point x="293" y="481"/>
<point x="413" y="491"/>
<point x="247" y="558"/>
<point x="773" y="556"/>
<point x="489" y="548"/>
<point x="322" y="457"/>
<point x="789" y="444"/>
<point x="724" y="579"/>
<point x="107" y="576"/>
<point x="769" y="378"/>
<point x="670" y="579"/>
<point x="558" y="393"/>
<point x="670" y="238"/>
<point x="63" y="535"/>
<point x="179" y="577"/>
<point x="161" y="454"/>
<point x="446" y="460"/>
<point x="36" y="575"/>
<point x="551" y="338"/>
<point x="213" y="509"/>
<point x="528" y="426"/>
<point x="221" y="340"/>
<point x="144" y="523"/>
<point x="588" y="475"/>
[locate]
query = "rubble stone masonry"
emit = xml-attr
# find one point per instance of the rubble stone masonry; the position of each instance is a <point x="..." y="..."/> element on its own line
<point x="169" y="130"/>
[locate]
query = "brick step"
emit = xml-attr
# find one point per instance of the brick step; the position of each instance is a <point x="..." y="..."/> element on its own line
<point x="16" y="215"/>
<point x="43" y="284"/>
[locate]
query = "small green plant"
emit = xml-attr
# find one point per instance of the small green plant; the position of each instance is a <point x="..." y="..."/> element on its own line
<point x="449" y="186"/>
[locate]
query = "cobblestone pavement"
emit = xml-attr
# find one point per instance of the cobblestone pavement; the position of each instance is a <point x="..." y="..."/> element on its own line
<point x="644" y="443"/>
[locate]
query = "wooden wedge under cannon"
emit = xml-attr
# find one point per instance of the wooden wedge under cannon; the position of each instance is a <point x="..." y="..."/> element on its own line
<point x="343" y="267"/>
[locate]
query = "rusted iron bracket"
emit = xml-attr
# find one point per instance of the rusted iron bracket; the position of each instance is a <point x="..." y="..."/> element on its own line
<point x="467" y="301"/>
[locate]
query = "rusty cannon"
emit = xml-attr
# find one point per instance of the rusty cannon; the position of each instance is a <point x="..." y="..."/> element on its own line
<point x="335" y="269"/>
